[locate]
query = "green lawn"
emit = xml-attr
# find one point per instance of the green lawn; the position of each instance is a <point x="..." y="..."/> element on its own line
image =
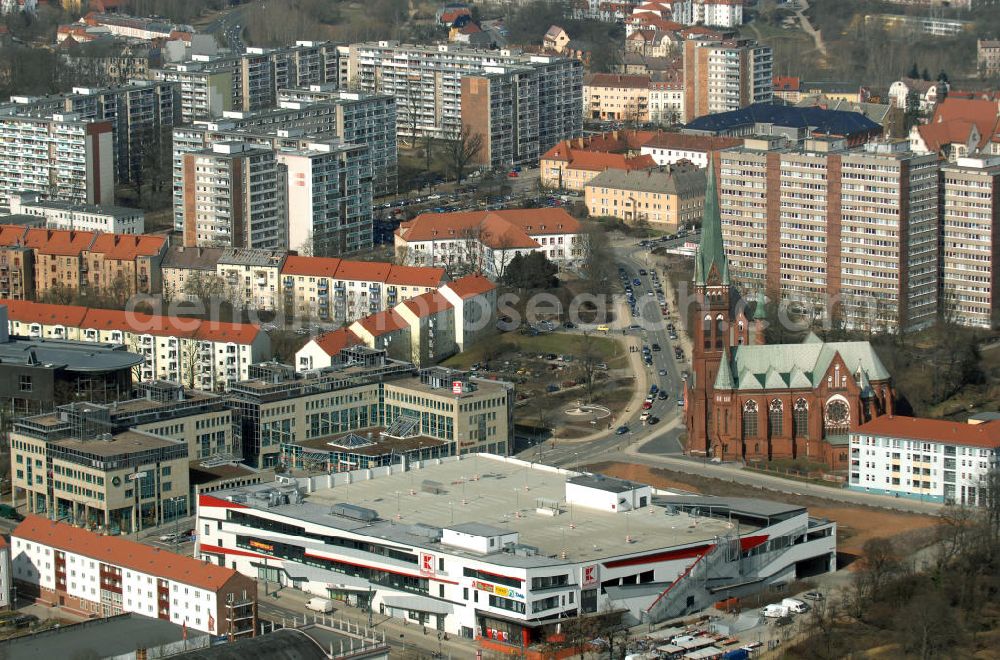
<point x="496" y="348"/>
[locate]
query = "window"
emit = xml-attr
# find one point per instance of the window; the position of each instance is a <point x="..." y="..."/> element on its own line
<point x="800" y="419"/>
<point x="24" y="383"/>
<point x="776" y="418"/>
<point x="837" y="417"/>
<point x="750" y="419"/>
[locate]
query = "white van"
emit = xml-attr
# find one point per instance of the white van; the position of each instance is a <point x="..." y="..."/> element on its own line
<point x="795" y="605"/>
<point x="321" y="605"/>
<point x="774" y="611"/>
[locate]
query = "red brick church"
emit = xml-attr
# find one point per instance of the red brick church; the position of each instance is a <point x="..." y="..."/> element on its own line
<point x="747" y="400"/>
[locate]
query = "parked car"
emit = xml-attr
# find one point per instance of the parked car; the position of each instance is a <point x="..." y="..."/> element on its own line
<point x="621" y="430"/>
<point x="653" y="419"/>
<point x="646" y="405"/>
<point x="813" y="595"/>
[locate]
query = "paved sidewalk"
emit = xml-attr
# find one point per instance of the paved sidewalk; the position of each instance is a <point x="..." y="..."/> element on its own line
<point x="422" y="640"/>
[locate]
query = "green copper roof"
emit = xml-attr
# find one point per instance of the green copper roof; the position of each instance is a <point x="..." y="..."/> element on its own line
<point x="711" y="252"/>
<point x="724" y="378"/>
<point x="760" y="309"/>
<point x="802" y="365"/>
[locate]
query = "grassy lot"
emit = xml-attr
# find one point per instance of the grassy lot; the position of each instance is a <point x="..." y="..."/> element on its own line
<point x="506" y="346"/>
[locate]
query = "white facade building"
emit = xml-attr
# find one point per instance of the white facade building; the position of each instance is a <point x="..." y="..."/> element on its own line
<point x="496" y="548"/>
<point x="927" y="459"/>
<point x="79" y="217"/>
<point x="89" y="573"/>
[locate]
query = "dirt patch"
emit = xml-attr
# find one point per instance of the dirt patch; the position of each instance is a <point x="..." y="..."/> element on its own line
<point x="855" y="524"/>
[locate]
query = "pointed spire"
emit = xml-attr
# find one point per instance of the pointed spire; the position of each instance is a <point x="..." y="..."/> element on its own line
<point x="724" y="377"/>
<point x="711" y="252"/>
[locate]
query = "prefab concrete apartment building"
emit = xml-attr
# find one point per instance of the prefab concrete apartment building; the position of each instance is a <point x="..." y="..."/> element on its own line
<point x="849" y="235"/>
<point x="497" y="549"/>
<point x="525" y="103"/>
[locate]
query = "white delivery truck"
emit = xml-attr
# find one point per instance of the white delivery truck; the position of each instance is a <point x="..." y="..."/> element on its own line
<point x="775" y="611"/>
<point x="795" y="605"/>
<point x="321" y="605"/>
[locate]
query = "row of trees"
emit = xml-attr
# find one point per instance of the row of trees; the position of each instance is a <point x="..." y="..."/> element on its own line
<point x="937" y="607"/>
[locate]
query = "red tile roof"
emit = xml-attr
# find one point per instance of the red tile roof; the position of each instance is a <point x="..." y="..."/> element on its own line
<point x="427" y="304"/>
<point x="981" y="112"/>
<point x="12" y="235"/>
<point x="365" y="271"/>
<point x="59" y="242"/>
<point x="471" y="285"/>
<point x="596" y="161"/>
<point x="126" y="247"/>
<point x="936" y="136"/>
<point x="122" y="552"/>
<point x="934" y="430"/>
<point x="311" y="266"/>
<point x="786" y="84"/>
<point x="130" y="321"/>
<point x="26" y="311"/>
<point x="382" y="323"/>
<point x="507" y="228"/>
<point x="416" y="276"/>
<point x="685" y="142"/>
<point x="336" y="340"/>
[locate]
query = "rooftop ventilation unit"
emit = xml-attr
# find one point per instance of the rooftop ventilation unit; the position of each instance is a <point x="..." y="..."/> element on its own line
<point x="432" y="487"/>
<point x="353" y="512"/>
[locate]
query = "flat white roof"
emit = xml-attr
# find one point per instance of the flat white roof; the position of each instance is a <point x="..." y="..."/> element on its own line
<point x="503" y="494"/>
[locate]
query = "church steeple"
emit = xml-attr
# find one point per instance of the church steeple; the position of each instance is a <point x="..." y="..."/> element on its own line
<point x="710" y="264"/>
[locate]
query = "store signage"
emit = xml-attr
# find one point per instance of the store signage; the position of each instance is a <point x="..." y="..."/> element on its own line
<point x="426" y="563"/>
<point x="456" y="386"/>
<point x="588" y="576"/>
<point x="266" y="547"/>
<point x="499" y="590"/>
<point x="136" y="475"/>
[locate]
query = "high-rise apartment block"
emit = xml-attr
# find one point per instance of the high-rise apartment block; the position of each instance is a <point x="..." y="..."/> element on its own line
<point x="368" y="119"/>
<point x="970" y="222"/>
<point x="519" y="95"/>
<point x="850" y="235"/>
<point x="725" y="74"/>
<point x="233" y="197"/>
<point x="328" y="197"/>
<point x="213" y="84"/>
<point x="61" y="156"/>
<point x="141" y="114"/>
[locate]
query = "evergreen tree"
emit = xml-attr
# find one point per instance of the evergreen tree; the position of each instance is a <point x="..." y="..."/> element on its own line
<point x="914" y="72"/>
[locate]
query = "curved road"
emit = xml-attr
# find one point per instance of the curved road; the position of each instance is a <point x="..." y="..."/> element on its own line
<point x="659" y="445"/>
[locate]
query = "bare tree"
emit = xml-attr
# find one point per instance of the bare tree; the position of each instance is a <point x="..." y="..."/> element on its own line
<point x="588" y="358"/>
<point x="463" y="150"/>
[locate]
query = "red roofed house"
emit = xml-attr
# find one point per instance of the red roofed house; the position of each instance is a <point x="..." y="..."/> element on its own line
<point x="423" y="330"/>
<point x="125" y="264"/>
<point x="568" y="168"/>
<point x="960" y="127"/>
<point x="486" y="241"/>
<point x="207" y="355"/>
<point x="787" y="88"/>
<point x="932" y="460"/>
<point x="100" y="576"/>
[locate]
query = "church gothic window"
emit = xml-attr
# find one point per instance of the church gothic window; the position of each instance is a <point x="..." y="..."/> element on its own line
<point x="707" y="330"/>
<point x="720" y="330"/>
<point x="750" y="419"/>
<point x="800" y="419"/>
<point x="837" y="417"/>
<point x="776" y="418"/>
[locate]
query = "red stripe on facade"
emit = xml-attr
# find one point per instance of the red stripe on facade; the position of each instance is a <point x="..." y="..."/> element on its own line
<point x="378" y="568"/>
<point x="208" y="500"/>
<point x="751" y="542"/>
<point x="669" y="555"/>
<point x="232" y="551"/>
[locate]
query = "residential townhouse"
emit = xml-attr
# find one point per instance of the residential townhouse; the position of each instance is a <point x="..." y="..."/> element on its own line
<point x="666" y="103"/>
<point x="988" y="57"/>
<point x="362" y="389"/>
<point x="205" y="355"/>
<point x="97" y="575"/>
<point x="616" y="97"/>
<point x="566" y="168"/>
<point x="80" y="217"/>
<point x="423" y="330"/>
<point x="487" y="241"/>
<point x="17" y="265"/>
<point x="530" y="94"/>
<point x="189" y="273"/>
<point x="251" y="278"/>
<point x="61" y="156"/>
<point x="141" y="115"/>
<point x="341" y="291"/>
<point x="849" y="235"/>
<point x="931" y="460"/>
<point x="672" y="148"/>
<point x="80" y="262"/>
<point x="666" y="198"/>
